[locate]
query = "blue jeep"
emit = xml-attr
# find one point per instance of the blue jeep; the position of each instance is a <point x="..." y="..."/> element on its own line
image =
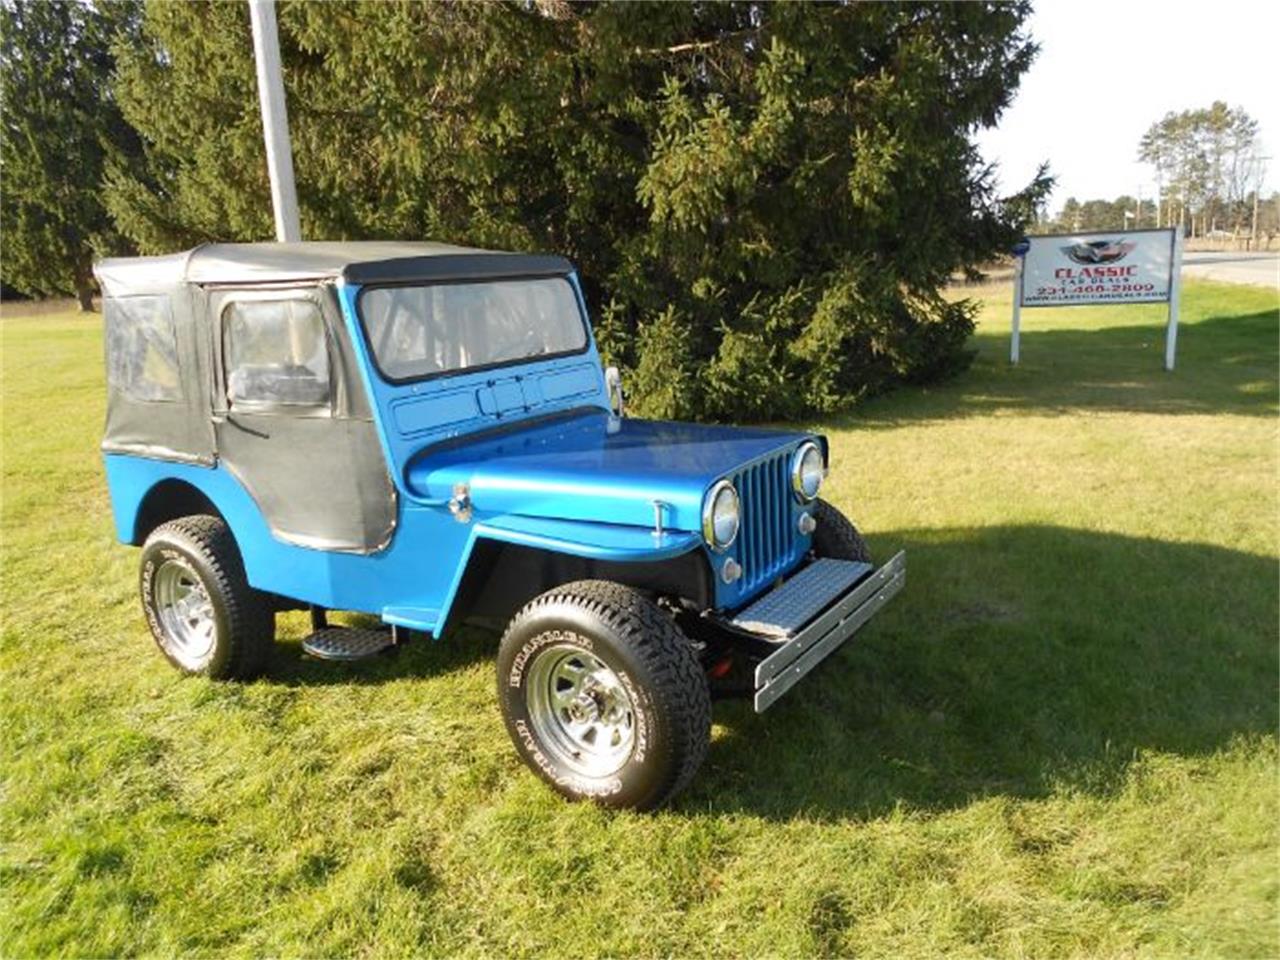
<point x="424" y="433"/>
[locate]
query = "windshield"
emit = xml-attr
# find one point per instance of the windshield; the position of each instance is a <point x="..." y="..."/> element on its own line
<point x="445" y="327"/>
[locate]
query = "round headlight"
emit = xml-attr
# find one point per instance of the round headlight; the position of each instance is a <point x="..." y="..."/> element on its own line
<point x="721" y="516"/>
<point x="806" y="471"/>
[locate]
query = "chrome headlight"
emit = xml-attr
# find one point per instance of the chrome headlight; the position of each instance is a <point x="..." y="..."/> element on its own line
<point x="807" y="470"/>
<point x="721" y="516"/>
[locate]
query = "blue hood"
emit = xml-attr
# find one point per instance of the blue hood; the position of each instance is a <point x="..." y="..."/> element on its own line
<point x="593" y="466"/>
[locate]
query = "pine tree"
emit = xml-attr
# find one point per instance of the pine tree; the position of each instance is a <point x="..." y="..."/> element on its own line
<point x="60" y="130"/>
<point x="789" y="184"/>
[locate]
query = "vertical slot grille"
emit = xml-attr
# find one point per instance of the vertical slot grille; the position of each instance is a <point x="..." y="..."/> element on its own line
<point x="767" y="542"/>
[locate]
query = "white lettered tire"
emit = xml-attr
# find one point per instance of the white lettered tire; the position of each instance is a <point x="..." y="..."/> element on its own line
<point x="603" y="696"/>
<point x="203" y="614"/>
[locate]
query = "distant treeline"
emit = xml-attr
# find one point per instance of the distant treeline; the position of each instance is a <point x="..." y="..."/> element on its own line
<point x="1127" y="213"/>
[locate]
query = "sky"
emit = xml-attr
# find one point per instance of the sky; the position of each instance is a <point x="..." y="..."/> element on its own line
<point x="1108" y="70"/>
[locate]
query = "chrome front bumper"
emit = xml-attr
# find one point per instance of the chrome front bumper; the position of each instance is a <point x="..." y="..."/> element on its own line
<point x="826" y="625"/>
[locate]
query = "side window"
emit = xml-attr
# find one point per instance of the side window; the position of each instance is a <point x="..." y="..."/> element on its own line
<point x="275" y="354"/>
<point x="142" y="353"/>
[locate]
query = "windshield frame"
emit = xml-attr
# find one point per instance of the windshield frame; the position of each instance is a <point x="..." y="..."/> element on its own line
<point x="587" y="340"/>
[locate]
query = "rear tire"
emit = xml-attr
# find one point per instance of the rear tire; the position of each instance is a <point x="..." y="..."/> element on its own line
<point x="203" y="614"/>
<point x="603" y="695"/>
<point x="836" y="536"/>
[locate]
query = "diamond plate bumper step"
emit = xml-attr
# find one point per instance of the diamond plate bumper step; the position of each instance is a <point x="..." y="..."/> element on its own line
<point x="347" y="643"/>
<point x="811" y="615"/>
<point x="782" y="612"/>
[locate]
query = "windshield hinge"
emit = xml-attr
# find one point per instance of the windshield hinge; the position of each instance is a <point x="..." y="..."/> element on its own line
<point x="658" y="507"/>
<point x="460" y="503"/>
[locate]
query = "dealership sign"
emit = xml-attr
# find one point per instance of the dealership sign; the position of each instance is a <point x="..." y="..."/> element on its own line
<point x="1128" y="267"/>
<point x="1118" y="267"/>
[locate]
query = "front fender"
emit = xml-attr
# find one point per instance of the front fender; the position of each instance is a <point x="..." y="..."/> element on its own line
<point x="604" y="542"/>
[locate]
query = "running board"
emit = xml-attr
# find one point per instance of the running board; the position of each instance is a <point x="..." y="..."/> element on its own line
<point x="347" y="643"/>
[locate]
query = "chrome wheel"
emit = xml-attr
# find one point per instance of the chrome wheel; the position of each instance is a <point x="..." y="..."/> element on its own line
<point x="185" y="612"/>
<point x="580" y="710"/>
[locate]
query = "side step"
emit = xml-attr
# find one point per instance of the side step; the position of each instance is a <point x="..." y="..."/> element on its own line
<point x="347" y="643"/>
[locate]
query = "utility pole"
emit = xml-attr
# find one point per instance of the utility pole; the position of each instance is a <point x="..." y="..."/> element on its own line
<point x="275" y="120"/>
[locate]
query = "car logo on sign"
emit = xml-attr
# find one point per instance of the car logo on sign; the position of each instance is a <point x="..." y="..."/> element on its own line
<point x="1098" y="251"/>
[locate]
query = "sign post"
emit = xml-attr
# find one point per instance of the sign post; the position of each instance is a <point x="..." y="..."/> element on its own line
<point x="1175" y="301"/>
<point x="1122" y="266"/>
<point x="1019" y="252"/>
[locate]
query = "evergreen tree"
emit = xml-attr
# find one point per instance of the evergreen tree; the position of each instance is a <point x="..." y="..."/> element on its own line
<point x="764" y="199"/>
<point x="60" y="130"/>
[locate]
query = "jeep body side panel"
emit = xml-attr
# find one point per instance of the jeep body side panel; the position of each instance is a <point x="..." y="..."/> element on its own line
<point x="409" y="572"/>
<point x="412" y="582"/>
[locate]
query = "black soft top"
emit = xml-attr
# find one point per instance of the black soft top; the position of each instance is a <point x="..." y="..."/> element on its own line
<point x="364" y="261"/>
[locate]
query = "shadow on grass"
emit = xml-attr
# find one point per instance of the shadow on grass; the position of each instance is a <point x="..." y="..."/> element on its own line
<point x="1224" y="365"/>
<point x="1018" y="661"/>
<point x="420" y="657"/>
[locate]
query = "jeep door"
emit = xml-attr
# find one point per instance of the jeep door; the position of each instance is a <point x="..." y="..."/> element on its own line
<point x="292" y="422"/>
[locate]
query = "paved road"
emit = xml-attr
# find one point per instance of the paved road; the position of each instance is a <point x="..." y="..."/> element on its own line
<point x="1262" y="269"/>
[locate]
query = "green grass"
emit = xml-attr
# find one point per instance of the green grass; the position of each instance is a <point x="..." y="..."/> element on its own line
<point x="1060" y="740"/>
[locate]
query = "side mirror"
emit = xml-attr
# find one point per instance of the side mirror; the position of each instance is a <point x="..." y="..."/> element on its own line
<point x="613" y="383"/>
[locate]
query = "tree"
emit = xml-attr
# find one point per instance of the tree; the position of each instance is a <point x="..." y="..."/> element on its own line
<point x="763" y="199"/>
<point x="1205" y="162"/>
<point x="1124" y="212"/>
<point x="1102" y="215"/>
<point x="1268" y="218"/>
<point x="60" y="129"/>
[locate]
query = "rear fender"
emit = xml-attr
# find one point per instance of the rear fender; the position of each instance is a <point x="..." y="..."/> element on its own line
<point x="143" y="491"/>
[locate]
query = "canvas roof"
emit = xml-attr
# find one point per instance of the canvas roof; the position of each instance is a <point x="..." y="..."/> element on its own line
<point x="363" y="261"/>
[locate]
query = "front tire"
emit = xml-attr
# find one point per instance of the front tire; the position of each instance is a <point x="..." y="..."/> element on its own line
<point x="203" y="614"/>
<point x="835" y="535"/>
<point x="603" y="695"/>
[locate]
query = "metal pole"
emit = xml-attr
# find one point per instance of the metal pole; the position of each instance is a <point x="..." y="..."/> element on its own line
<point x="275" y="120"/>
<point x="1175" y="297"/>
<point x="1017" y="311"/>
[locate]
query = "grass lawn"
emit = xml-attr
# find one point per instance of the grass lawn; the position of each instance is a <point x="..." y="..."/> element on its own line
<point x="1060" y="740"/>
